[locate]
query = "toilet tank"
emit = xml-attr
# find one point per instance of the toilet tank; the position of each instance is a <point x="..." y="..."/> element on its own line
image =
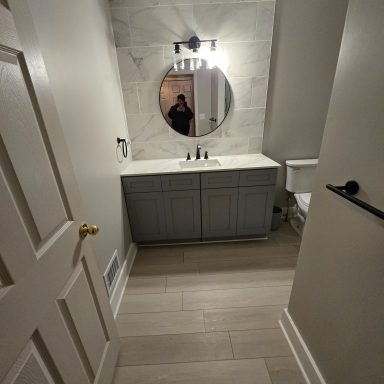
<point x="300" y="175"/>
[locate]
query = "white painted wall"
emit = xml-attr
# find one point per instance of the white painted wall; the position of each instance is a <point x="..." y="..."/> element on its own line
<point x="338" y="291"/>
<point x="305" y="48"/>
<point x="77" y="44"/>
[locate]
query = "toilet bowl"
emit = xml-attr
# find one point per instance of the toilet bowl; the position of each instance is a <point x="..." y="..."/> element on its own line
<point x="300" y="175"/>
<point x="303" y="200"/>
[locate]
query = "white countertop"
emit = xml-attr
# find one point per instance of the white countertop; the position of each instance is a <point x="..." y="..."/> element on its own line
<point x="234" y="162"/>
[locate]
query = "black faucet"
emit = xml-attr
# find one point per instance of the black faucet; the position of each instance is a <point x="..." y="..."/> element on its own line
<point x="198" y="152"/>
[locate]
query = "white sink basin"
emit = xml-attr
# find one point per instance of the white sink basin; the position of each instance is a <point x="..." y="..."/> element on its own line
<point x="199" y="163"/>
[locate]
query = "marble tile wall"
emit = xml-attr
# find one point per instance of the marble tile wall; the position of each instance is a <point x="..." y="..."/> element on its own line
<point x="144" y="31"/>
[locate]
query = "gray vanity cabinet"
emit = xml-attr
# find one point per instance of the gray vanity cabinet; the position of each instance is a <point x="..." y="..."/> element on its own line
<point x="163" y="208"/>
<point x="200" y="206"/>
<point x="254" y="210"/>
<point x="182" y="214"/>
<point x="255" y="205"/>
<point x="219" y="196"/>
<point x="182" y="206"/>
<point x="219" y="212"/>
<point x="146" y="216"/>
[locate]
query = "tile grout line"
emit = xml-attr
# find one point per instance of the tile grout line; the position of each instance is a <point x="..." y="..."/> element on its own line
<point x="230" y="340"/>
<point x="209" y="309"/>
<point x="208" y="290"/>
<point x="204" y="361"/>
<point x="205" y="328"/>
<point x="266" y="367"/>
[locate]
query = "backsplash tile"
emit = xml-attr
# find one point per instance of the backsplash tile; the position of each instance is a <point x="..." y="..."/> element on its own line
<point x="144" y="31"/>
<point x="147" y="127"/>
<point x="120" y="25"/>
<point x="160" y="25"/>
<point x="163" y="149"/>
<point x="248" y="58"/>
<point x="241" y="91"/>
<point x="244" y="123"/>
<point x="149" y="97"/>
<point x="264" y="25"/>
<point x="131" y="100"/>
<point x="132" y="3"/>
<point x="227" y="22"/>
<point x="259" y="91"/>
<point x="140" y="64"/>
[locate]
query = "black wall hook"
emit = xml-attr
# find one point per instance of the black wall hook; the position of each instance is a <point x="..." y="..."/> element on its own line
<point x="351" y="187"/>
<point x="124" y="146"/>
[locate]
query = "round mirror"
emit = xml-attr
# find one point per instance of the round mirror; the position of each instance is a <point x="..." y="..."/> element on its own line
<point x="194" y="99"/>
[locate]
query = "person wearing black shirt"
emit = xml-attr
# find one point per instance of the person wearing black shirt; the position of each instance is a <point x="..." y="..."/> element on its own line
<point x="181" y="115"/>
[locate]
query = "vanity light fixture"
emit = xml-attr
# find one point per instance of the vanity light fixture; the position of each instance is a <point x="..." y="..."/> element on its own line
<point x="193" y="44"/>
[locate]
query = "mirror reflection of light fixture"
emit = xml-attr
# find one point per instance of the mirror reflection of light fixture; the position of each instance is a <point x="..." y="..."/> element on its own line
<point x="178" y="58"/>
<point x="193" y="44"/>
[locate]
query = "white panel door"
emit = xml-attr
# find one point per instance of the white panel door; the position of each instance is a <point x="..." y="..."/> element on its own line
<point x="56" y="324"/>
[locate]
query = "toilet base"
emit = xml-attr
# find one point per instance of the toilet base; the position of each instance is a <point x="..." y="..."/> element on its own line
<point x="297" y="221"/>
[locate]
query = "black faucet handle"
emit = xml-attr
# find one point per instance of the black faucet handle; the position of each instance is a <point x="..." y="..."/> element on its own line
<point x="198" y="152"/>
<point x="206" y="155"/>
<point x="188" y="156"/>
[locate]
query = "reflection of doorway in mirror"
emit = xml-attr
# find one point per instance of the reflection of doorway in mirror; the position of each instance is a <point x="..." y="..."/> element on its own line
<point x="218" y="98"/>
<point x="173" y="86"/>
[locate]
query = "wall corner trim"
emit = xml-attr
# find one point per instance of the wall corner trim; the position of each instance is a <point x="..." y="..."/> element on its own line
<point x="118" y="292"/>
<point x="307" y="364"/>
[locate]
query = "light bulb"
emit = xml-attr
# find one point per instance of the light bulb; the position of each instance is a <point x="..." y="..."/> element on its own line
<point x="178" y="58"/>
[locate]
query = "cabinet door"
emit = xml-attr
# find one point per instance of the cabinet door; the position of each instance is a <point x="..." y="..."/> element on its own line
<point x="219" y="212"/>
<point x="146" y="216"/>
<point x="255" y="210"/>
<point x="182" y="213"/>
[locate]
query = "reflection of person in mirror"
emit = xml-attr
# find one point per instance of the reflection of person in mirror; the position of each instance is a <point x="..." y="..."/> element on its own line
<point x="181" y="115"/>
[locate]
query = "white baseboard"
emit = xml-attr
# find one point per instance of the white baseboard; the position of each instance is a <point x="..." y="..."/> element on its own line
<point x="307" y="364"/>
<point x="122" y="280"/>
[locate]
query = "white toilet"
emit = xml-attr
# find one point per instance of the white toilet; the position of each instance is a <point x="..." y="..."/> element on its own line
<point x="300" y="175"/>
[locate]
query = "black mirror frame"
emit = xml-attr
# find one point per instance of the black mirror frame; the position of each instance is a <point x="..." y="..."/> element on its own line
<point x="226" y="113"/>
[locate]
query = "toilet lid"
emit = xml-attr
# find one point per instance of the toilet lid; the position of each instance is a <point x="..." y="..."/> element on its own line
<point x="303" y="199"/>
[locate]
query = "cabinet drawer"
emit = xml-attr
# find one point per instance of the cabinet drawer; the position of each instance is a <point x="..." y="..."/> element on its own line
<point x="258" y="177"/>
<point x="180" y="182"/>
<point x="219" y="179"/>
<point x="141" y="184"/>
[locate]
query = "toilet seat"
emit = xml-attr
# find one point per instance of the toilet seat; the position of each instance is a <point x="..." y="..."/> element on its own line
<point x="303" y="200"/>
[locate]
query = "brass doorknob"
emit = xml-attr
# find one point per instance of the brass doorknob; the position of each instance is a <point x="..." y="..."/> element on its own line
<point x="85" y="230"/>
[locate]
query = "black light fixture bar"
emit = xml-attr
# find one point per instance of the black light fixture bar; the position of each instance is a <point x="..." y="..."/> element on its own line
<point x="187" y="42"/>
<point x="194" y="43"/>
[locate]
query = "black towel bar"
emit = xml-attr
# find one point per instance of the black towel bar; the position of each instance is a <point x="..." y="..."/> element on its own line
<point x="348" y="190"/>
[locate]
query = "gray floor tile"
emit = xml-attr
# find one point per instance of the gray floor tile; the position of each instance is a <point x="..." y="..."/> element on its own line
<point x="284" y="370"/>
<point x="217" y="246"/>
<point x="159" y="255"/>
<point x="175" y="348"/>
<point x="163" y="270"/>
<point x="242" y="318"/>
<point x="161" y="323"/>
<point x="139" y="286"/>
<point x="259" y="343"/>
<point x="249" y="264"/>
<point x="285" y="235"/>
<point x="232" y="298"/>
<point x="204" y="282"/>
<point x="152" y="302"/>
<point x="233" y="252"/>
<point x="213" y="372"/>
